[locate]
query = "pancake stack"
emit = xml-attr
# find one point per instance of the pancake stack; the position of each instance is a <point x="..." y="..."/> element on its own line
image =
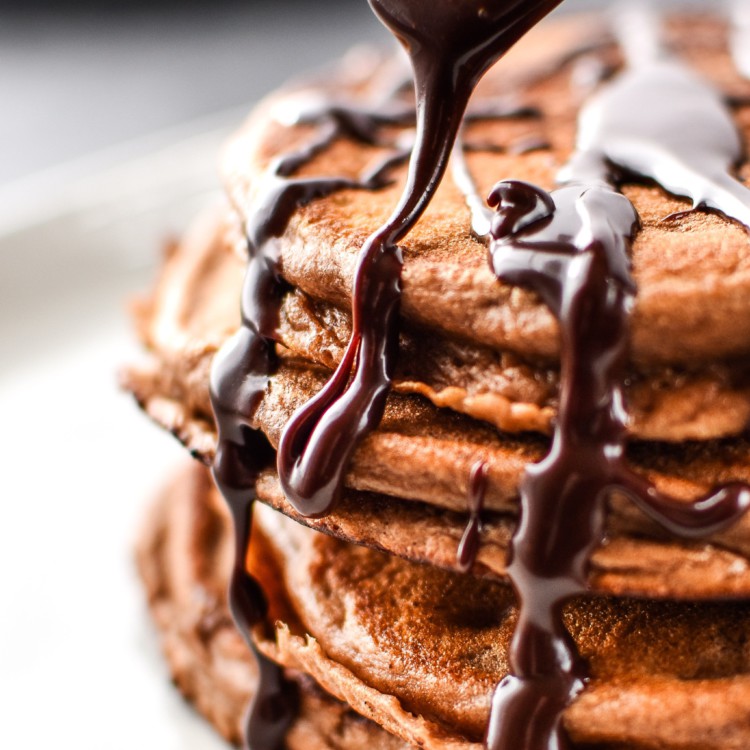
<point x="394" y="628"/>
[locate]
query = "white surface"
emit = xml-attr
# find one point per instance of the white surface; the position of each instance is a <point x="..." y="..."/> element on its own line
<point x="79" y="663"/>
<point x="85" y="78"/>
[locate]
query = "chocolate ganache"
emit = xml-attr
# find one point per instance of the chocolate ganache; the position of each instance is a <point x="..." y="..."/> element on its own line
<point x="468" y="548"/>
<point x="451" y="45"/>
<point x="571" y="247"/>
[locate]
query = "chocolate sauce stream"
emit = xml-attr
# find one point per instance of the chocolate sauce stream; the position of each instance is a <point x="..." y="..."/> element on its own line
<point x="241" y="371"/>
<point x="587" y="286"/>
<point x="451" y="45"/>
<point x="239" y="379"/>
<point x="571" y="247"/>
<point x="481" y="215"/>
<point x="660" y="120"/>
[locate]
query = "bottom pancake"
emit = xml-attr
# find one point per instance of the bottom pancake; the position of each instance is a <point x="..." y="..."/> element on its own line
<point x="183" y="558"/>
<point x="418" y="650"/>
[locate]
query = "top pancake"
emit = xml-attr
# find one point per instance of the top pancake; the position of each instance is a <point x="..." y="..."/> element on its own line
<point x="693" y="272"/>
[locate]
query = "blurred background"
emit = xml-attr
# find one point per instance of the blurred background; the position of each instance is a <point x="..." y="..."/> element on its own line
<point x="77" y="76"/>
<point x="112" y="115"/>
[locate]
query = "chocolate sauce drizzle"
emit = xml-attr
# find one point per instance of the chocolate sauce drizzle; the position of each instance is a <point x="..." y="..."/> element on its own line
<point x="318" y="442"/>
<point x="241" y="370"/>
<point x="660" y="120"/>
<point x="468" y="548"/>
<point x="451" y="45"/>
<point x="239" y="379"/>
<point x="571" y="247"/>
<point x="481" y="214"/>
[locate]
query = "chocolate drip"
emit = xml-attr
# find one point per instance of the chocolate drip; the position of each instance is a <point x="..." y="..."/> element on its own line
<point x="587" y="286"/>
<point x="241" y="453"/>
<point x="241" y="370"/>
<point x="239" y="379"/>
<point x="481" y="215"/>
<point x="451" y="45"/>
<point x="468" y="549"/>
<point x="572" y="248"/>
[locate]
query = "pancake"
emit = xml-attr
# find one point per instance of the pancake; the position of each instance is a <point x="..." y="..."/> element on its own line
<point x="636" y="560"/>
<point x="184" y="557"/>
<point x="420" y="650"/>
<point x="439" y="644"/>
<point x="421" y="453"/>
<point x="692" y="272"/>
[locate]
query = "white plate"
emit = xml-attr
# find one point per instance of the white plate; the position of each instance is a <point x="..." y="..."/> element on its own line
<point x="79" y="663"/>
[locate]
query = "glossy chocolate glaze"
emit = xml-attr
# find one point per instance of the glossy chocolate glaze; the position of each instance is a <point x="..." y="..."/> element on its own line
<point x="660" y="120"/>
<point x="240" y="375"/>
<point x="740" y="38"/>
<point x="689" y="148"/>
<point x="571" y="248"/>
<point x="587" y="286"/>
<point x="241" y="370"/>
